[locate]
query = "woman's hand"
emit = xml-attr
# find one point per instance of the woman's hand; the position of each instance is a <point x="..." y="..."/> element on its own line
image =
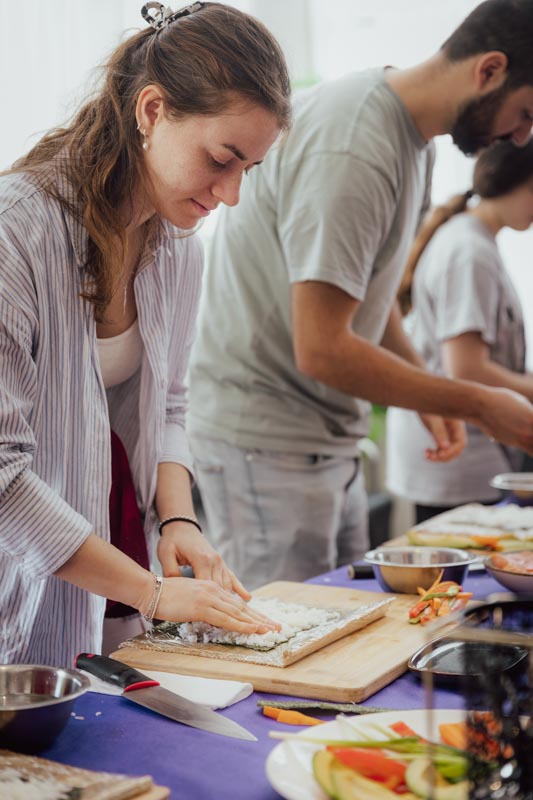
<point x="182" y="544"/>
<point x="196" y="600"/>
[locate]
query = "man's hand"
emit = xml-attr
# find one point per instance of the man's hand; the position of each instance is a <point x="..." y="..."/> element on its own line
<point x="182" y="544"/>
<point x="449" y="436"/>
<point x="506" y="416"/>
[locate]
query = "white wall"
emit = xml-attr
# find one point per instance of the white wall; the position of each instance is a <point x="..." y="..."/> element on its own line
<point x="49" y="48"/>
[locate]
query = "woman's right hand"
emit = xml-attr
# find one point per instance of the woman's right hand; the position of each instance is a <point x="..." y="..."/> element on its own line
<point x="99" y="567"/>
<point x="194" y="600"/>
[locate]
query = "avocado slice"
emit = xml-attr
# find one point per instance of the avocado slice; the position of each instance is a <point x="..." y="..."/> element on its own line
<point x="322" y="767"/>
<point x="350" y="785"/>
<point x="422" y="779"/>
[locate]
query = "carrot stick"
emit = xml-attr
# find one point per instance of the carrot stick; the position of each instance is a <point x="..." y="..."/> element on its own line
<point x="297" y="718"/>
<point x="453" y="734"/>
<point x="268" y="711"/>
<point x="432" y="587"/>
<point x="403" y="729"/>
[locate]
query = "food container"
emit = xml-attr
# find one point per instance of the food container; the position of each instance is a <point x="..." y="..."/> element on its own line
<point x="404" y="569"/>
<point x="517" y="486"/>
<point x="35" y="704"/>
<point x="451" y="661"/>
<point x="516" y="580"/>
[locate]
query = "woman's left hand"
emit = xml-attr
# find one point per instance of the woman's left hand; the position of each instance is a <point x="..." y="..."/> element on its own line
<point x="182" y="544"/>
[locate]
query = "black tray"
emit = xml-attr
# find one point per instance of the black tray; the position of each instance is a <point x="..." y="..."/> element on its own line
<point x="448" y="659"/>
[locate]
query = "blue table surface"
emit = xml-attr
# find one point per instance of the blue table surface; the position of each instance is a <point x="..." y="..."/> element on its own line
<point x="115" y="735"/>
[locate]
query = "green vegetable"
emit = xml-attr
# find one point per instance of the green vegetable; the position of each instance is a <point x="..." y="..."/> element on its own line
<point x="427" y="782"/>
<point x="451" y="763"/>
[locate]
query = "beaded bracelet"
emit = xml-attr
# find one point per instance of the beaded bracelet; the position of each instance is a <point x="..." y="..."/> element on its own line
<point x="154" y="601"/>
<point x="179" y="519"/>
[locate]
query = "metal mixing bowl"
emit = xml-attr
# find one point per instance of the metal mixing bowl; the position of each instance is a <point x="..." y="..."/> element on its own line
<point x="404" y="569"/>
<point x="35" y="704"/>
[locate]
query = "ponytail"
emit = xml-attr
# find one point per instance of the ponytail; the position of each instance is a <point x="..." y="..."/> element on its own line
<point x="441" y="214"/>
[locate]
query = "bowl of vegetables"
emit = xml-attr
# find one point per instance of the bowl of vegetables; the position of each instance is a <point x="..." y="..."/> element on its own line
<point x="408" y="569"/>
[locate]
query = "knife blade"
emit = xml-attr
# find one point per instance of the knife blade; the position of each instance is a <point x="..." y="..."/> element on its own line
<point x="148" y="693"/>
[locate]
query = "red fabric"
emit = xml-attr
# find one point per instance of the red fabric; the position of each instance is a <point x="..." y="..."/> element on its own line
<point x="127" y="531"/>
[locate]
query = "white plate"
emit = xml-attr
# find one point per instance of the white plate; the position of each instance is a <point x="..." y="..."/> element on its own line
<point x="289" y="765"/>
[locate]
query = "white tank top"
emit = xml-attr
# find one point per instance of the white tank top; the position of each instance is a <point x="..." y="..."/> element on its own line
<point x="120" y="356"/>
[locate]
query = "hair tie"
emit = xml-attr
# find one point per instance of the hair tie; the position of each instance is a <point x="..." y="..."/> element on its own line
<point x="162" y="15"/>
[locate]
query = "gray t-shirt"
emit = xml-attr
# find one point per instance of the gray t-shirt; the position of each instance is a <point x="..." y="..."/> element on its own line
<point x="460" y="286"/>
<point x="338" y="201"/>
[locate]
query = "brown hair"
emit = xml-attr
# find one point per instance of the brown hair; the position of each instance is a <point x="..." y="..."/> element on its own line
<point x="198" y="61"/>
<point x="502" y="168"/>
<point x="503" y="25"/>
<point x="438" y="216"/>
<point x="499" y="170"/>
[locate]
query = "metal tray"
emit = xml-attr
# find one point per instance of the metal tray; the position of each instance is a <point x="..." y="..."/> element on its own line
<point x="448" y="659"/>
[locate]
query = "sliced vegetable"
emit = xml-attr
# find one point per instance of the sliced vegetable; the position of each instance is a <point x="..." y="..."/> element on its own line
<point x="290" y="717"/>
<point x="487" y="542"/>
<point x="268" y="711"/>
<point x="450" y="762"/>
<point x="426" y="782"/>
<point x="440" y="599"/>
<point x="373" y="765"/>
<point x="349" y="785"/>
<point x="404" y="730"/>
<point x="322" y="764"/>
<point x="454" y="734"/>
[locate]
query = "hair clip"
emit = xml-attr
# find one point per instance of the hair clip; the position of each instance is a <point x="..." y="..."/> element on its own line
<point x="163" y="15"/>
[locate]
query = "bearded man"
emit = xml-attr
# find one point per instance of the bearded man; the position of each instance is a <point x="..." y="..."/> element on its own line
<point x="301" y="330"/>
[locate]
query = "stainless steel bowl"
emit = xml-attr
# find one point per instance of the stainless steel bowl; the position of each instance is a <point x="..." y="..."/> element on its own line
<point x="35" y="704"/>
<point x="404" y="569"/>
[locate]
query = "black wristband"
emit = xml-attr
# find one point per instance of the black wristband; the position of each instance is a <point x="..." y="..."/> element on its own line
<point x="179" y="519"/>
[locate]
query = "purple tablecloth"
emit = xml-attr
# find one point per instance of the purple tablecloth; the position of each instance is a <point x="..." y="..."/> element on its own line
<point x="118" y="736"/>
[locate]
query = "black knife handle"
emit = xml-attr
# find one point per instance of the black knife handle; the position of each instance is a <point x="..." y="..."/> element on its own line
<point x="356" y="571"/>
<point x="114" y="672"/>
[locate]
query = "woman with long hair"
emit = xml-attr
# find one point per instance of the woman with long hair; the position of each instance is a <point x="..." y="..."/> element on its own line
<point x="466" y="322"/>
<point x="99" y="287"/>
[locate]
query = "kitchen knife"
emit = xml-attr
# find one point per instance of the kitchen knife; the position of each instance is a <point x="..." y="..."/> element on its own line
<point x="148" y="693"/>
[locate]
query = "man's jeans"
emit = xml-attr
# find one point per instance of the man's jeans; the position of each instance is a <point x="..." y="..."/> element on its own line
<point x="281" y="516"/>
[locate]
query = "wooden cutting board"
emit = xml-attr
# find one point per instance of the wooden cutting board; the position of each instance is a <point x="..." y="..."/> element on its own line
<point x="38" y="775"/>
<point x="348" y="670"/>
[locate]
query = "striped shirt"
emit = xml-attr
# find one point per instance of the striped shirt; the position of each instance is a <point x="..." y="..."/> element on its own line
<point x="55" y="415"/>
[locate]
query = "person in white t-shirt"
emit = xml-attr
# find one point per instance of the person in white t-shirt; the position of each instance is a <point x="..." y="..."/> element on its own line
<point x="466" y="322"/>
